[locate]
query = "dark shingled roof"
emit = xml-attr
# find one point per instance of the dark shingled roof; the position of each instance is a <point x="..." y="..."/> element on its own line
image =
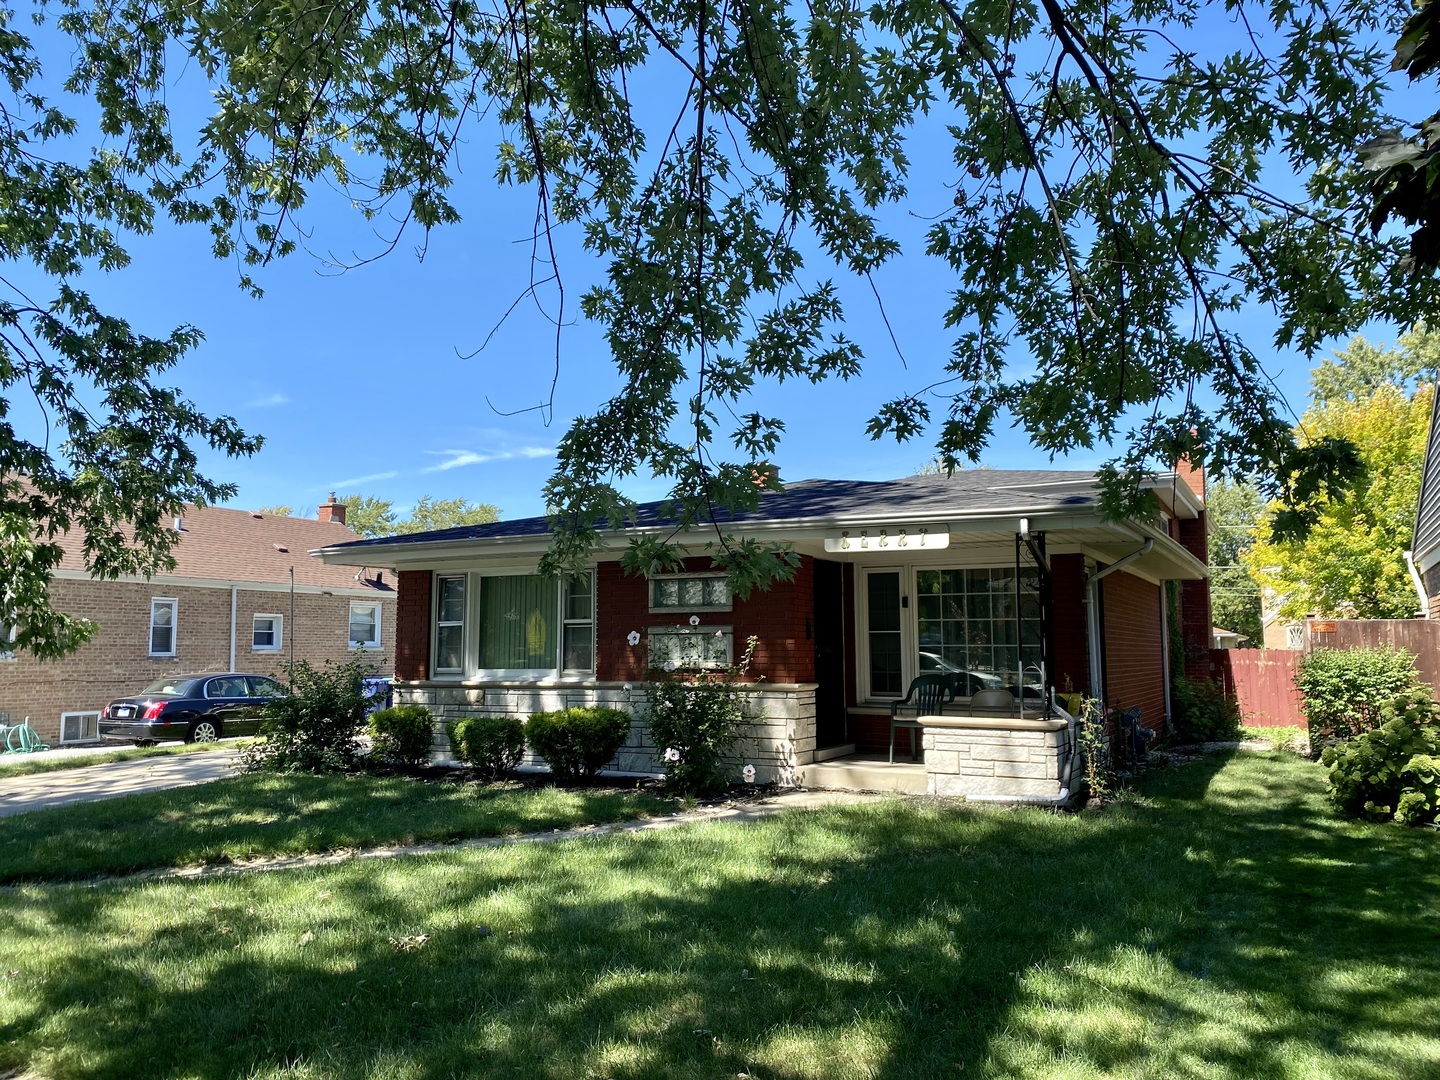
<point x="1427" y="513"/>
<point x="967" y="490"/>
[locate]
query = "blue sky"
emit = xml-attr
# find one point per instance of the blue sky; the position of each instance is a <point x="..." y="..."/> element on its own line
<point x="358" y="382"/>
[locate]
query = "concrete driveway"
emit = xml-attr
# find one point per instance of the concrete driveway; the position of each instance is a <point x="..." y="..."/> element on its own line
<point x="89" y="783"/>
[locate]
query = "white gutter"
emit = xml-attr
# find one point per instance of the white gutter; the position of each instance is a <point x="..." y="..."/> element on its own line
<point x="1419" y="584"/>
<point x="234" y="601"/>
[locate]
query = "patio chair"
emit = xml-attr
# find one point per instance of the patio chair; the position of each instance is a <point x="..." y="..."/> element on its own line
<point x="927" y="696"/>
<point x="993" y="699"/>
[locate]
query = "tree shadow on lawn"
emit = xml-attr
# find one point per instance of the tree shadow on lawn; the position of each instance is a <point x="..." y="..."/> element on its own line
<point x="1210" y="928"/>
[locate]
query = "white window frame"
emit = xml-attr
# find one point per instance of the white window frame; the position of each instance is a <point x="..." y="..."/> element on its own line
<point x="662" y="609"/>
<point x="8" y="633"/>
<point x="174" y="604"/>
<point x="364" y="646"/>
<point x="94" y="726"/>
<point x="474" y="586"/>
<point x="907" y="628"/>
<point x="568" y="622"/>
<point x="465" y="626"/>
<point x="279" y="631"/>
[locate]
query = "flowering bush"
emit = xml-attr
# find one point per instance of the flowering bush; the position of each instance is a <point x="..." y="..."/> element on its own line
<point x="698" y="722"/>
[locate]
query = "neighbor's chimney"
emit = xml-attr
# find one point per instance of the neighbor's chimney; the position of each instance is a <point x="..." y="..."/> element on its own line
<point x="1192" y="475"/>
<point x="332" y="510"/>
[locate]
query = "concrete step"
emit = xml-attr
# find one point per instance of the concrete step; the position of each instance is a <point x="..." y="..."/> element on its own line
<point x="864" y="774"/>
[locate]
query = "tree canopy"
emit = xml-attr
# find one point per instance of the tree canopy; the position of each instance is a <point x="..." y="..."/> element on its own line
<point x="1351" y="564"/>
<point x="1121" y="180"/>
<point x="371" y="516"/>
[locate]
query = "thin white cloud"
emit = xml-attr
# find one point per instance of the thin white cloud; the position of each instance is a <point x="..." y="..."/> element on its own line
<point x="356" y="481"/>
<point x="455" y="459"/>
<point x="270" y="401"/>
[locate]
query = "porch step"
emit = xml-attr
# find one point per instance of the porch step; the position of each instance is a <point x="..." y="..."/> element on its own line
<point x="864" y="774"/>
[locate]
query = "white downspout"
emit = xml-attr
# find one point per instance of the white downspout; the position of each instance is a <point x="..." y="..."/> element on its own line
<point x="1419" y="584"/>
<point x="234" y="602"/>
<point x="1092" y="612"/>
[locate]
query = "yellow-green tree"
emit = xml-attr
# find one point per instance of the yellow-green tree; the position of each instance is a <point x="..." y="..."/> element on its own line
<point x="1352" y="564"/>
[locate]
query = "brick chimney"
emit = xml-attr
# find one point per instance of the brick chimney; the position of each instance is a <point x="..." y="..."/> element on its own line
<point x="332" y="510"/>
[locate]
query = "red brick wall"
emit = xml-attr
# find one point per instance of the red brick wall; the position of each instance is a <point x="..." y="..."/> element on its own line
<point x="1069" y="651"/>
<point x="116" y="663"/>
<point x="412" y="625"/>
<point x="1134" y="644"/>
<point x="782" y="620"/>
<point x="1195" y="616"/>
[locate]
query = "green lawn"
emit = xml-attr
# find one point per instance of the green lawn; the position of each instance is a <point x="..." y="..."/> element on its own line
<point x="269" y="814"/>
<point x="1217" y="924"/>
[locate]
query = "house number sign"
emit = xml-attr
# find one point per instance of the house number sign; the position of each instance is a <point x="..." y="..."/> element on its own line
<point x="891" y="538"/>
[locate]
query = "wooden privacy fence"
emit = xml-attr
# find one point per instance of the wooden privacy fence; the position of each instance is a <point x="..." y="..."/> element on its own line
<point x="1419" y="636"/>
<point x="1262" y="682"/>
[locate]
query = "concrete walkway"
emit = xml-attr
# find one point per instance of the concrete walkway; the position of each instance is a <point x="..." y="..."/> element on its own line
<point x="40" y="791"/>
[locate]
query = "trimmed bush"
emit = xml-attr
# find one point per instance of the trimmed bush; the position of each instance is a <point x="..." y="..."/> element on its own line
<point x="695" y="725"/>
<point x="403" y="733"/>
<point x="315" y="727"/>
<point x="491" y="745"/>
<point x="1344" y="690"/>
<point x="578" y="742"/>
<point x="1203" y="712"/>
<point x="1393" y="770"/>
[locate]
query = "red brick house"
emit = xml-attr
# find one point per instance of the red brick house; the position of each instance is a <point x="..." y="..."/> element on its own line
<point x="1008" y="580"/>
<point x="226" y="606"/>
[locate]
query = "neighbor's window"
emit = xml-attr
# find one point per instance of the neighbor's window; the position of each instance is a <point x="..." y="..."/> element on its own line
<point x="267" y="633"/>
<point x="79" y="727"/>
<point x="364" y="624"/>
<point x="690" y="592"/>
<point x="7" y="642"/>
<point x="162" y="627"/>
<point x="450" y="624"/>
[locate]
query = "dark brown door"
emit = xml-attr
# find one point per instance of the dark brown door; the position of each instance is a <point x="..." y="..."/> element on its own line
<point x="831" y="721"/>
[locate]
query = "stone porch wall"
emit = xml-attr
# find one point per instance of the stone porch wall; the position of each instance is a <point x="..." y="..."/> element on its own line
<point x="979" y="757"/>
<point x="779" y="735"/>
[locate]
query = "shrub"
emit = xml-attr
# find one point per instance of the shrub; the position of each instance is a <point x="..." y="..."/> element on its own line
<point x="578" y="742"/>
<point x="315" y="727"/>
<point x="695" y="725"/>
<point x="491" y="745"/>
<point x="1344" y="690"/>
<point x="1392" y="770"/>
<point x="403" y="733"/>
<point x="1202" y="711"/>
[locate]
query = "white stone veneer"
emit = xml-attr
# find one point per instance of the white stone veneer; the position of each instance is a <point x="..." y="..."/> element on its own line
<point x="979" y="757"/>
<point x="779" y="735"/>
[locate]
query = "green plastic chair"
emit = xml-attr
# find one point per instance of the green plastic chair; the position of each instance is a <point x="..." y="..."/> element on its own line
<point x="929" y="694"/>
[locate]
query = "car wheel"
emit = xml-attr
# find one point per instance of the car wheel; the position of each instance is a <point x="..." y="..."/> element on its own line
<point x="203" y="731"/>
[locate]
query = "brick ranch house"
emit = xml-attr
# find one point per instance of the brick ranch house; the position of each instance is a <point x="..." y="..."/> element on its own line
<point x="1002" y="578"/>
<point x="226" y="606"/>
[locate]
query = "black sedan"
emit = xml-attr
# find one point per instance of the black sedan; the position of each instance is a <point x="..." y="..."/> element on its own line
<point x="195" y="708"/>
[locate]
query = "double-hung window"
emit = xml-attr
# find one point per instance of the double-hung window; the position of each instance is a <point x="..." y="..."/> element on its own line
<point x="267" y="633"/>
<point x="450" y="624"/>
<point x="162" y="626"/>
<point x="364" y="624"/>
<point x="7" y="641"/>
<point x="503" y="624"/>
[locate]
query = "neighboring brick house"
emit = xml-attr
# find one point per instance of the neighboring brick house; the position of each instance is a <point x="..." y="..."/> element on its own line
<point x="225" y="606"/>
<point x="1004" y="580"/>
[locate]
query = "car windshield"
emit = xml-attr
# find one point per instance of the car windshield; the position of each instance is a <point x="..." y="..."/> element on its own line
<point x="178" y="687"/>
